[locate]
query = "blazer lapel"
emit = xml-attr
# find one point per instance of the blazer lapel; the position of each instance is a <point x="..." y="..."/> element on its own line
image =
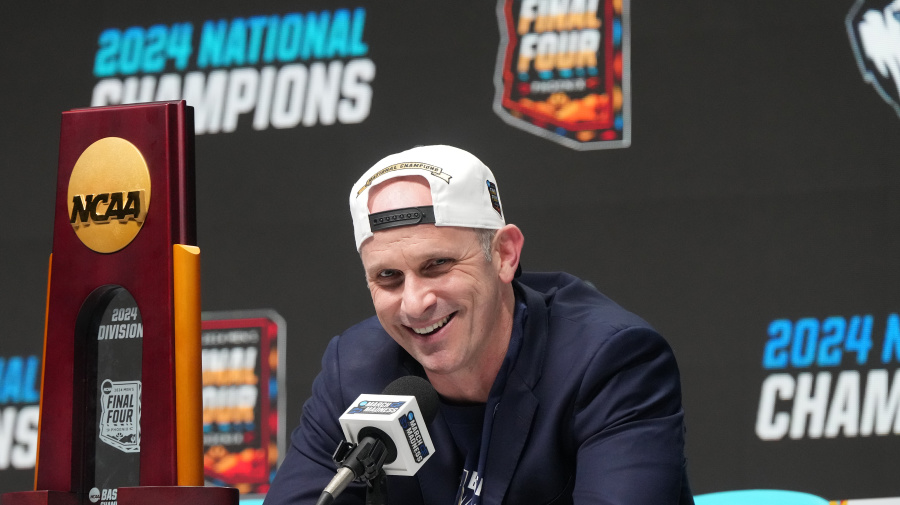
<point x="518" y="404"/>
<point x="512" y="422"/>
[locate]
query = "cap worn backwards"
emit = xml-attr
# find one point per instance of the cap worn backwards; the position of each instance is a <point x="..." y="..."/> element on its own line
<point x="463" y="192"/>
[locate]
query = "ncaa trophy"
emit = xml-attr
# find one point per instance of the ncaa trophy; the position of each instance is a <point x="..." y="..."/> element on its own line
<point x="121" y="404"/>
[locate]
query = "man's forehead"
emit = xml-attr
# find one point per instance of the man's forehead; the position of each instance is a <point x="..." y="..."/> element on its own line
<point x="416" y="244"/>
<point x="398" y="193"/>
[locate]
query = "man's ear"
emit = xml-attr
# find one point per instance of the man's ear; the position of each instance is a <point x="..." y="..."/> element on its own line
<point x="508" y="242"/>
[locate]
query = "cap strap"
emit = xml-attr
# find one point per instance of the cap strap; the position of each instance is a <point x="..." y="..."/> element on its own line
<point x="401" y="217"/>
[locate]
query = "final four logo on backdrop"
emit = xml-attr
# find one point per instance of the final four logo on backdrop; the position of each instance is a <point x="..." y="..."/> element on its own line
<point x="874" y="30"/>
<point x="563" y="70"/>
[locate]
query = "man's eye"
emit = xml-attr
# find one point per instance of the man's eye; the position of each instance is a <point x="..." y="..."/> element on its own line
<point x="385" y="274"/>
<point x="439" y="264"/>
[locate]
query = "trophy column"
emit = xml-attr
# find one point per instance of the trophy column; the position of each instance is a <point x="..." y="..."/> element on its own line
<point x="121" y="406"/>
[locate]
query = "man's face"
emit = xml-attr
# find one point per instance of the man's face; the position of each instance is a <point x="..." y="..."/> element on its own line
<point x="433" y="289"/>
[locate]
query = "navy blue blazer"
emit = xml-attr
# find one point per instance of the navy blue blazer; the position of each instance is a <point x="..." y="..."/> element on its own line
<point x="591" y="412"/>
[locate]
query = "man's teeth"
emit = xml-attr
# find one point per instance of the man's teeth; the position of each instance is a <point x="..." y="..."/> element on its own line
<point x="429" y="329"/>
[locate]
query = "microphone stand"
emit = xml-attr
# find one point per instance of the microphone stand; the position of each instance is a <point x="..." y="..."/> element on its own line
<point x="362" y="461"/>
<point x="376" y="490"/>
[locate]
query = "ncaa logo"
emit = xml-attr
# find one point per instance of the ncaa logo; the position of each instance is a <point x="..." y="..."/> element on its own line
<point x="874" y="30"/>
<point x="108" y="194"/>
<point x="94" y="495"/>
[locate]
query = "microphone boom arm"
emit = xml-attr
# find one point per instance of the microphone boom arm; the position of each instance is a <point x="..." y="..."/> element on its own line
<point x="364" y="459"/>
<point x="359" y="461"/>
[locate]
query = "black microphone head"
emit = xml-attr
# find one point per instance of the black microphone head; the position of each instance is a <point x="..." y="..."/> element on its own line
<point x="411" y="385"/>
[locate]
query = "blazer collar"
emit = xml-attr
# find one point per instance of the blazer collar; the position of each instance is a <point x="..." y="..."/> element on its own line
<point x="518" y="403"/>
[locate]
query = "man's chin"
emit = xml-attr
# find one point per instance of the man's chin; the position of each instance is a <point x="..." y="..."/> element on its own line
<point x="436" y="365"/>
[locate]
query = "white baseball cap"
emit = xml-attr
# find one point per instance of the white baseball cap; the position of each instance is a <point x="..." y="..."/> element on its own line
<point x="463" y="192"/>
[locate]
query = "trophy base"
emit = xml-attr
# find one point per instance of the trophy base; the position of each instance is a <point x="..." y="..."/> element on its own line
<point x="39" y="498"/>
<point x="145" y="495"/>
<point x="177" y="495"/>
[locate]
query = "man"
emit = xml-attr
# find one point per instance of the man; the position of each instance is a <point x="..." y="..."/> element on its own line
<point x="550" y="392"/>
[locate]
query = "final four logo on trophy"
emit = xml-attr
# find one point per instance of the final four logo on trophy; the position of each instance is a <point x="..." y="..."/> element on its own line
<point x="120" y="418"/>
<point x="108" y="195"/>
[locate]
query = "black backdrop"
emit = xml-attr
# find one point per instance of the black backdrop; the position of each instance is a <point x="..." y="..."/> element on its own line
<point x="760" y="184"/>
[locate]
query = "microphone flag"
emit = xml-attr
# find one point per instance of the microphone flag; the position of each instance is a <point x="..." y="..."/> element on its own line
<point x="400" y="419"/>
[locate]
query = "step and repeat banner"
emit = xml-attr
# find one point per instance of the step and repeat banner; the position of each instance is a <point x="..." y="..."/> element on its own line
<point x="730" y="172"/>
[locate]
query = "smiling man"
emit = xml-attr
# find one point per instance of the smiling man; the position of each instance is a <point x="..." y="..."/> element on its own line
<point x="550" y="392"/>
<point x="439" y="294"/>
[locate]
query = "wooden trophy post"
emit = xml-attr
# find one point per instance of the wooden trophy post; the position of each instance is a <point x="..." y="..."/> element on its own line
<point x="121" y="396"/>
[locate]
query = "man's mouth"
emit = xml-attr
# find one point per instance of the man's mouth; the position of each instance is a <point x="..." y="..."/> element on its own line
<point x="428" y="330"/>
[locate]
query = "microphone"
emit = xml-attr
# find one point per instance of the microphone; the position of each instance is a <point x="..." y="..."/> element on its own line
<point x="384" y="434"/>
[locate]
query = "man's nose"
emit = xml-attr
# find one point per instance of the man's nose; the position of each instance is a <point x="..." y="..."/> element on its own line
<point x="418" y="297"/>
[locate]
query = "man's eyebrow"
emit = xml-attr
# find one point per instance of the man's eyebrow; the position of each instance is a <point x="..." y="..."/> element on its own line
<point x="374" y="269"/>
<point x="416" y="262"/>
<point x="378" y="266"/>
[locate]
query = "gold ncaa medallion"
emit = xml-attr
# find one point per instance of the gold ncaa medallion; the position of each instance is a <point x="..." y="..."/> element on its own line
<point x="109" y="194"/>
